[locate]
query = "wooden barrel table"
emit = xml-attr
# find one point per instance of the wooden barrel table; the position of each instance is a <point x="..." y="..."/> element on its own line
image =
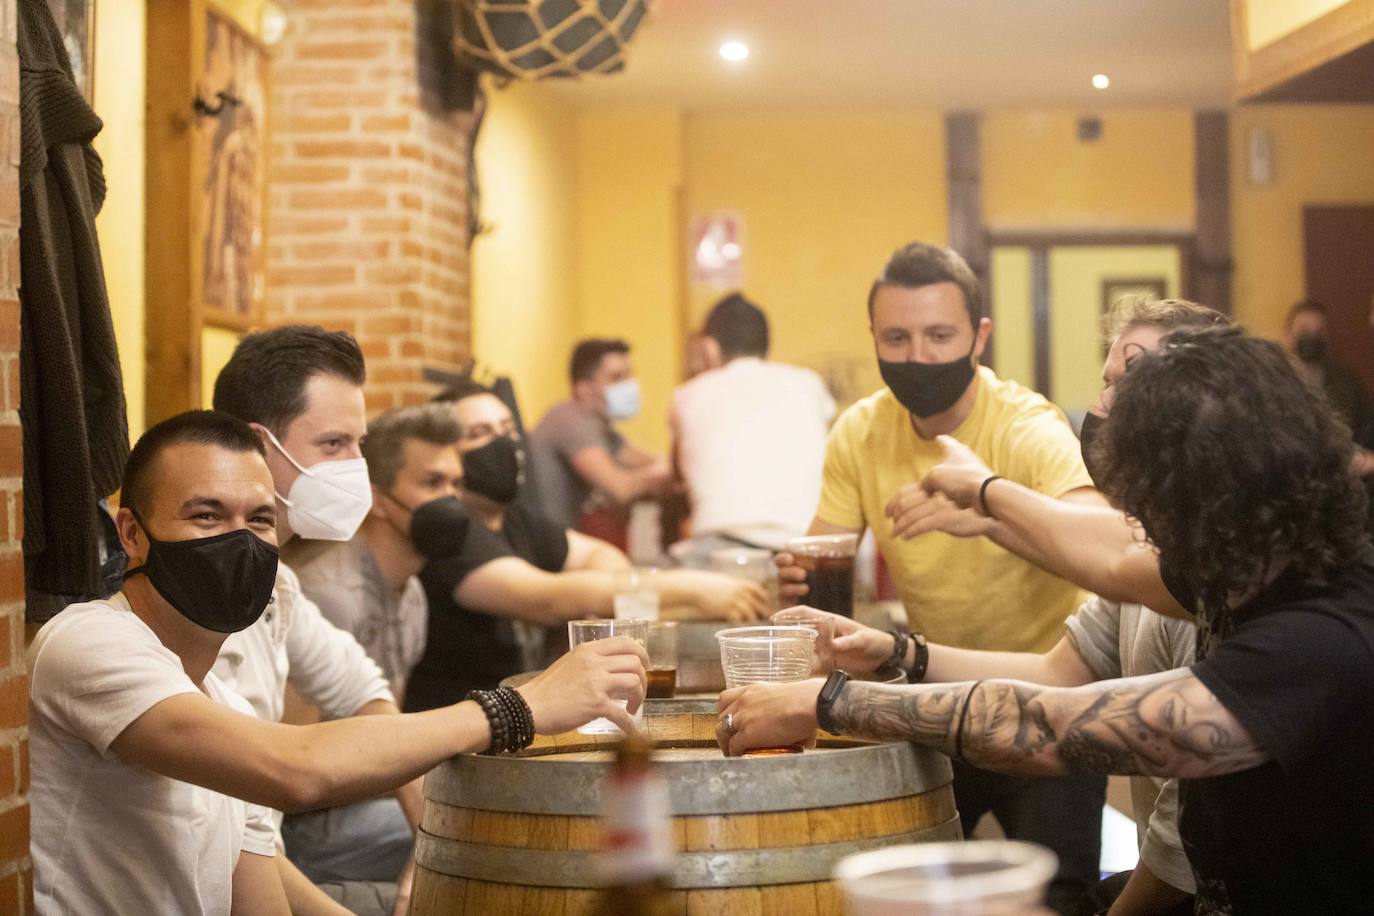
<point x="755" y="837"/>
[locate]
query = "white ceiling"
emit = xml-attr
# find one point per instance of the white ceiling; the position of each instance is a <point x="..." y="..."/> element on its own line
<point x="947" y="54"/>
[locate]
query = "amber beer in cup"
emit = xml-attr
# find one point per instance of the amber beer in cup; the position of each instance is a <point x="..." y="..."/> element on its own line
<point x="767" y="655"/>
<point x="662" y="671"/>
<point x="829" y="563"/>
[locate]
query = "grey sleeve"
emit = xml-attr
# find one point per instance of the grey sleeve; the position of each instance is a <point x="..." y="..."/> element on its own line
<point x="1095" y="631"/>
<point x="570" y="431"/>
<point x="1162" y="851"/>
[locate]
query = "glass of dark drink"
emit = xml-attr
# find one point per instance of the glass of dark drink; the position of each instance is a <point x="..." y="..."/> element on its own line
<point x="662" y="649"/>
<point x="829" y="563"/>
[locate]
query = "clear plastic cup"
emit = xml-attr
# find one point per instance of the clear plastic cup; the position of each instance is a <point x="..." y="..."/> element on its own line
<point x="662" y="660"/>
<point x="751" y="563"/>
<point x="766" y="655"/>
<point x="636" y="594"/>
<point x="824" y="626"/>
<point x="580" y="631"/>
<point x="976" y="878"/>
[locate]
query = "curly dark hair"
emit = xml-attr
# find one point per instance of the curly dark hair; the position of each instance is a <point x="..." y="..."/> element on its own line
<point x="1232" y="464"/>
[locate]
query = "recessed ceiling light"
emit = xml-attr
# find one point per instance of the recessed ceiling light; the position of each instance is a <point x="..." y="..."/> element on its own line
<point x="734" y="51"/>
<point x="1101" y="81"/>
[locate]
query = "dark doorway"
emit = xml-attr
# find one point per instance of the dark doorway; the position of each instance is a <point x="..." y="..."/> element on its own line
<point x="1338" y="258"/>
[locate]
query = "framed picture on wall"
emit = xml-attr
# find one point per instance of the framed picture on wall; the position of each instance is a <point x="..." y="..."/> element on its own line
<point x="231" y="145"/>
<point x="76" y="21"/>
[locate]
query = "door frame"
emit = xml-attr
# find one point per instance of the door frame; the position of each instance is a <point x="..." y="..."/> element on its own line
<point x="1040" y="241"/>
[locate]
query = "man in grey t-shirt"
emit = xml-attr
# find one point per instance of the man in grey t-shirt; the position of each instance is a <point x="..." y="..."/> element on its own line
<point x="576" y="450"/>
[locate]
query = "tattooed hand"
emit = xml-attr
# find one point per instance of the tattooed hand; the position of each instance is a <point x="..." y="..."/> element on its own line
<point x="1165" y="724"/>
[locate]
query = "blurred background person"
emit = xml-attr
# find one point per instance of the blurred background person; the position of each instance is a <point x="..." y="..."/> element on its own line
<point x="1307" y="338"/>
<point x="748" y="437"/>
<point x="583" y="461"/>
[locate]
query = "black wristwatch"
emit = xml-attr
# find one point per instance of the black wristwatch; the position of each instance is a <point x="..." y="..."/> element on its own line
<point x="834" y="686"/>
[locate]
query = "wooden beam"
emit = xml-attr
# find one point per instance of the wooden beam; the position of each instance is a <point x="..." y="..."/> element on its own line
<point x="967" y="234"/>
<point x="1040" y="320"/>
<point x="172" y="323"/>
<point x="1275" y="71"/>
<point x="1212" y="266"/>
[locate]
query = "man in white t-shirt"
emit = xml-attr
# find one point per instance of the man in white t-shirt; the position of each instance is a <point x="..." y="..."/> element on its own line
<point x="140" y="752"/>
<point x="749" y="435"/>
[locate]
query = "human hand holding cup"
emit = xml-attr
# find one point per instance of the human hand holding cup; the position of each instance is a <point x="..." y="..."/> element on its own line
<point x="767" y="655"/>
<point x="636" y="630"/>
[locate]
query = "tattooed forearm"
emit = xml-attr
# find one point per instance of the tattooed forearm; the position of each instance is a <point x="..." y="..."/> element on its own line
<point x="1167" y="724"/>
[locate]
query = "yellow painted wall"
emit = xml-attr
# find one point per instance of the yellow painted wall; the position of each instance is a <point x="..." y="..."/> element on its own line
<point x="1076" y="274"/>
<point x="524" y="267"/>
<point x="1323" y="154"/>
<point x="119" y="97"/>
<point x="825" y="198"/>
<point x="629" y="249"/>
<point x="216" y="346"/>
<point x="1013" y="322"/>
<point x="1267" y="21"/>
<point x="1037" y="174"/>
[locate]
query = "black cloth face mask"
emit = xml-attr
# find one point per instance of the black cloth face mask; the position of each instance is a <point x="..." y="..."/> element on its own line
<point x="926" y="389"/>
<point x="1087" y="437"/>
<point x="222" y="583"/>
<point x="439" y="528"/>
<point x="495" y="470"/>
<point x="1310" y="347"/>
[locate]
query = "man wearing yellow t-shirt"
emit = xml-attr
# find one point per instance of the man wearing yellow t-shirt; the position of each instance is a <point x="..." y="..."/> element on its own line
<point x="926" y="315"/>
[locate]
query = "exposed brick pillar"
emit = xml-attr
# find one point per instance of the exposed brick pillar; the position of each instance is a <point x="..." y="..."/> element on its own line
<point x="368" y="210"/>
<point x="16" y="893"/>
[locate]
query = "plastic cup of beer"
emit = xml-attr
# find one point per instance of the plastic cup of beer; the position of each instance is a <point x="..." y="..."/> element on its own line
<point x="824" y="626"/>
<point x="636" y="594"/>
<point x="580" y="631"/>
<point x="828" y="560"/>
<point x="767" y="655"/>
<point x="662" y="660"/>
<point x="976" y="878"/>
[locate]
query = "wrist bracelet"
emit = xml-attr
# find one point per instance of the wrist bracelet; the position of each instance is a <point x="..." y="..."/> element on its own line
<point x="508" y="715"/>
<point x="917" y="674"/>
<point x="983" y="495"/>
<point x="899" y="641"/>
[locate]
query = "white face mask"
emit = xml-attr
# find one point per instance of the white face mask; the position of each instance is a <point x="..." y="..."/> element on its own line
<point x="622" y="399"/>
<point x="329" y="500"/>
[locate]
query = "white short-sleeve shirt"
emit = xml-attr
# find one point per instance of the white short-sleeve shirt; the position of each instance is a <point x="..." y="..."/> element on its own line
<point x="107" y="836"/>
<point x="750" y="439"/>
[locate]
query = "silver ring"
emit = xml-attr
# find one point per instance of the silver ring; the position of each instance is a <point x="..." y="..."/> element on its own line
<point x="729" y="723"/>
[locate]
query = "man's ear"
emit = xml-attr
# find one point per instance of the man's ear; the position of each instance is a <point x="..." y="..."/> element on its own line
<point x="710" y="351"/>
<point x="980" y="338"/>
<point x="132" y="537"/>
<point x="378" y="496"/>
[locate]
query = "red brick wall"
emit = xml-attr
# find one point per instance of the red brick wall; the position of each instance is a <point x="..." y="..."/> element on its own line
<point x="15" y="890"/>
<point x="367" y="212"/>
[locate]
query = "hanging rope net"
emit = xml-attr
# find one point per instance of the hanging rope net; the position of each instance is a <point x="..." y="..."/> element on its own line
<point x="537" y="39"/>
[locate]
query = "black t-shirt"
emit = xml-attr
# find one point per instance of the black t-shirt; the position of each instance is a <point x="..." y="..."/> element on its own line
<point x="470" y="650"/>
<point x="1295" y="835"/>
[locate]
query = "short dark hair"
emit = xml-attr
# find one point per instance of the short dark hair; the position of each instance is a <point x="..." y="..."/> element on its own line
<point x="384" y="446"/>
<point x="1297" y="308"/>
<point x="588" y="354"/>
<point x="462" y="389"/>
<point x="1231" y="463"/>
<point x="739" y="326"/>
<point x="265" y="378"/>
<point x="918" y="264"/>
<point x="204" y="427"/>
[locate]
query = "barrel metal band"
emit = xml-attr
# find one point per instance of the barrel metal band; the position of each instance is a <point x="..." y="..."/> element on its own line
<point x="708" y="786"/>
<point x="719" y="869"/>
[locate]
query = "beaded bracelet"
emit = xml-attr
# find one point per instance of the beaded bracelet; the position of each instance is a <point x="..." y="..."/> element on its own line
<point x="512" y="723"/>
